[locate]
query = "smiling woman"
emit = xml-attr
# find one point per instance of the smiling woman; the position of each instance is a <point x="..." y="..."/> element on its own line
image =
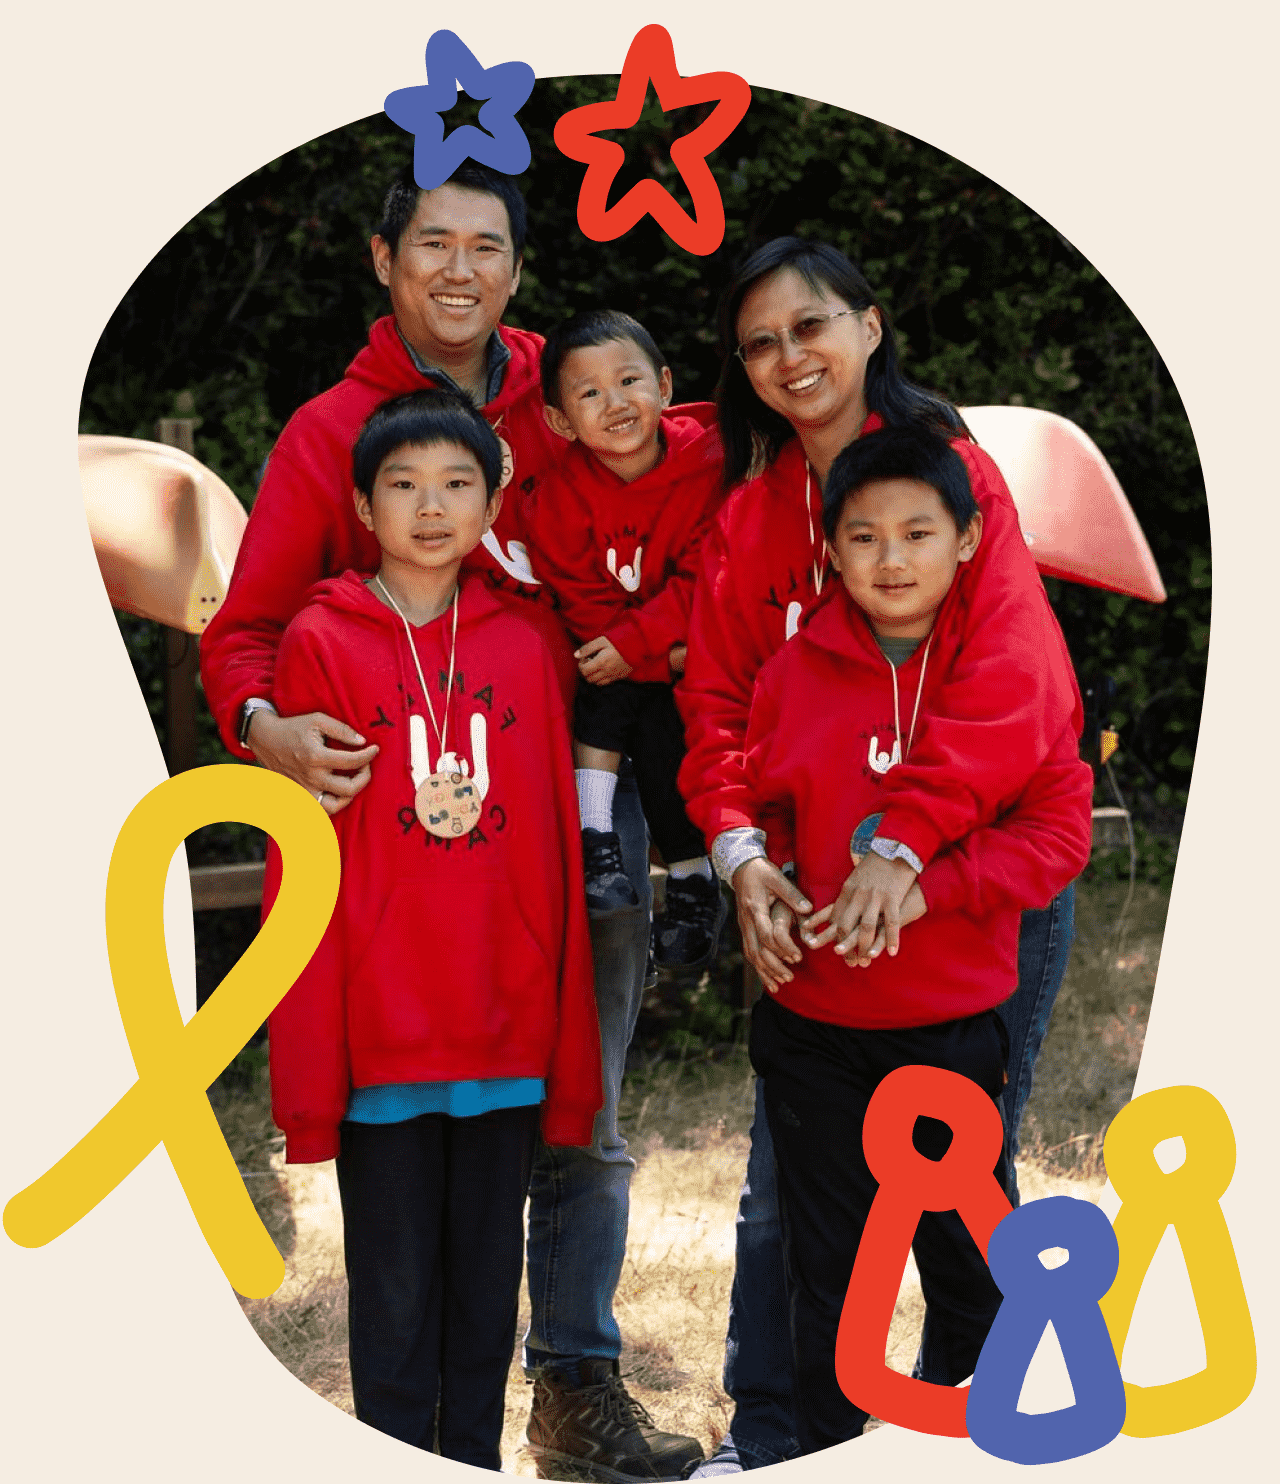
<point x="809" y="365"/>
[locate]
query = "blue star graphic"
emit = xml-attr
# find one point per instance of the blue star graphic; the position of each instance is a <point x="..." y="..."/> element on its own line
<point x="419" y="111"/>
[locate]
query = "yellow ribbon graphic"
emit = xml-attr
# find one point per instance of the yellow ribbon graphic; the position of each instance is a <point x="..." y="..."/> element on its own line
<point x="176" y="1063"/>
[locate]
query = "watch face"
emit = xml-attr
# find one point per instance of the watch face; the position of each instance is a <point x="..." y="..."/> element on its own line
<point x="864" y="834"/>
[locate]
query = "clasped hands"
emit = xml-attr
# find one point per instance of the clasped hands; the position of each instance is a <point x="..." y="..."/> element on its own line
<point x="877" y="900"/>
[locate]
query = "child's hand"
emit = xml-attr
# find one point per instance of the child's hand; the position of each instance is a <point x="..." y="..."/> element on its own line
<point x="875" y="889"/>
<point x="913" y="906"/>
<point x="759" y="888"/>
<point x="677" y="657"/>
<point x="599" y="663"/>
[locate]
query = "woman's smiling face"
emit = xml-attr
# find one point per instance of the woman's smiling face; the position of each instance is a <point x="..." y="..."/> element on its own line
<point x="823" y="381"/>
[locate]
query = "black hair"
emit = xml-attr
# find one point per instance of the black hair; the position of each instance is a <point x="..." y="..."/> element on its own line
<point x="592" y="327"/>
<point x="420" y="419"/>
<point x="899" y="453"/>
<point x="401" y="201"/>
<point x="752" y="432"/>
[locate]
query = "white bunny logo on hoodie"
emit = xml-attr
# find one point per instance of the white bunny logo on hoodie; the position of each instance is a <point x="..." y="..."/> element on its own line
<point x="628" y="576"/>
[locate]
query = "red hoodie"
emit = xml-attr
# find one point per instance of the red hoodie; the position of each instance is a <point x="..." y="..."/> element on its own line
<point x="303" y="525"/>
<point x="822" y="707"/>
<point x="1011" y="691"/>
<point x="622" y="559"/>
<point x="445" y="960"/>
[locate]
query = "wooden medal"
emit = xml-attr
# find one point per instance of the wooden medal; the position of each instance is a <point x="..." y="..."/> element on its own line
<point x="448" y="805"/>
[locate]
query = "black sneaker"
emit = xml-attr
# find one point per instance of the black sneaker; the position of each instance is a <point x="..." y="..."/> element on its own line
<point x="608" y="890"/>
<point x="650" y="965"/>
<point x="589" y="1426"/>
<point x="687" y="931"/>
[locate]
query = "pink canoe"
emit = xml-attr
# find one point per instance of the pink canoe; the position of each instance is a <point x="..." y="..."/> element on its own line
<point x="165" y="529"/>
<point x="1074" y="515"/>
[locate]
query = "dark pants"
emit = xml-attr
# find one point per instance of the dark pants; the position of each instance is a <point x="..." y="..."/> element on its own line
<point x="641" y="719"/>
<point x="818" y="1081"/>
<point x="433" y="1210"/>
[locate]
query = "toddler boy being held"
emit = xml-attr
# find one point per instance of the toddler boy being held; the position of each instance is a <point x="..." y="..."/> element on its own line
<point x="615" y="537"/>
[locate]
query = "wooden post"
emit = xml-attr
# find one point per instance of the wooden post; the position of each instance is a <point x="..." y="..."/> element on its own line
<point x="182" y="652"/>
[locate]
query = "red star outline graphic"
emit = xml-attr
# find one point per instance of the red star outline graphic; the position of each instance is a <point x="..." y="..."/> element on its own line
<point x="651" y="58"/>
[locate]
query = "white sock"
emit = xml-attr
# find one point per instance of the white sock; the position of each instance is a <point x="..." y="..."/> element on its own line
<point x="595" y="798"/>
<point x="698" y="866"/>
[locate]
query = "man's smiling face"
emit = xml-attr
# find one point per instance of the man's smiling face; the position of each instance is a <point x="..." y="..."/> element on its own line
<point x="452" y="274"/>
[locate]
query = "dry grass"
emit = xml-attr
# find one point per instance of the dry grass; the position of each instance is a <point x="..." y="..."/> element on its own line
<point x="687" y="1124"/>
<point x="1090" y="1056"/>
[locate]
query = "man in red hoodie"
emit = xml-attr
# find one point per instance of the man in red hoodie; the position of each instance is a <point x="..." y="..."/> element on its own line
<point x="450" y="259"/>
<point x="619" y="528"/>
<point x="834" y="712"/>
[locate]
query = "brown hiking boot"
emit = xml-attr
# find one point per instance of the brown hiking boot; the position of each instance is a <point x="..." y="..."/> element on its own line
<point x="589" y="1426"/>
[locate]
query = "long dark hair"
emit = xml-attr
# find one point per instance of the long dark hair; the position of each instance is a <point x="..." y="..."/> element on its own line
<point x="753" y="434"/>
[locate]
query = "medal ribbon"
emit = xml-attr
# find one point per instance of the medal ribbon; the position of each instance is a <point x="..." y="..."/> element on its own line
<point x="413" y="650"/>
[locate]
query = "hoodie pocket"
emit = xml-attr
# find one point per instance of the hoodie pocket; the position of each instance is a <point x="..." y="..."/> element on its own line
<point x="452" y="968"/>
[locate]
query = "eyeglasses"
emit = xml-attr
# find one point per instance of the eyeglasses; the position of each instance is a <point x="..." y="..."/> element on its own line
<point x="803" y="332"/>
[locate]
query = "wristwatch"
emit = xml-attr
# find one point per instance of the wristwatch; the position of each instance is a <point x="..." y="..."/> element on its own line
<point x="254" y="703"/>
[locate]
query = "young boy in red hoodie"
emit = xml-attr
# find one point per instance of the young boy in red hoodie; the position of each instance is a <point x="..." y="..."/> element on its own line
<point x="452" y="994"/>
<point x="616" y="537"/>
<point x="833" y="712"/>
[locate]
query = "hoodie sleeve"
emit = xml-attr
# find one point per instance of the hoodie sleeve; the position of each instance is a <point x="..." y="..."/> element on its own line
<point x="769" y="810"/>
<point x="1008" y="694"/>
<point x="1031" y="853"/>
<point x="574" y="1086"/>
<point x="715" y="695"/>
<point x="291" y="541"/>
<point x="310" y="1075"/>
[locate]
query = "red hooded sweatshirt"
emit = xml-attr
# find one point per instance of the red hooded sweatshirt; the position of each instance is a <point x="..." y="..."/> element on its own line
<point x="821" y="717"/>
<point x="1011" y="689"/>
<point x="303" y="525"/>
<point x="445" y="960"/>
<point x="622" y="559"/>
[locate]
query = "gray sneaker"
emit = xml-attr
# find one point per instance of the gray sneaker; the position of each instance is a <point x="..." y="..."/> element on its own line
<point x="589" y="1426"/>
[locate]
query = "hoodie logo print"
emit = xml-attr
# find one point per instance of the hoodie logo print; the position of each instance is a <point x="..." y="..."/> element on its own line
<point x="794" y="611"/>
<point x="448" y="800"/>
<point x="514" y="561"/>
<point x="881" y="762"/>
<point x="629" y="576"/>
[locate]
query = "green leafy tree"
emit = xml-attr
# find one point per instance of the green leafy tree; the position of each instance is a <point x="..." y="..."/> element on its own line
<point x="262" y="299"/>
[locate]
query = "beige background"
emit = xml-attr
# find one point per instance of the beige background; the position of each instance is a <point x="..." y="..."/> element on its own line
<point x="1139" y="130"/>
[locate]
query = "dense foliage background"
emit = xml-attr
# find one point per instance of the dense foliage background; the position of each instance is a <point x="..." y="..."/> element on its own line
<point x="262" y="299"/>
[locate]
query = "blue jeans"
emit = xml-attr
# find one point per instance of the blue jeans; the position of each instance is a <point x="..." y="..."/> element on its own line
<point x="758" y="1363"/>
<point x="757" y="1349"/>
<point x="1044" y="946"/>
<point x="579" y="1198"/>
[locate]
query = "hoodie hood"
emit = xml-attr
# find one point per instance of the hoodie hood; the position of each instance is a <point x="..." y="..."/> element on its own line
<point x="385" y="366"/>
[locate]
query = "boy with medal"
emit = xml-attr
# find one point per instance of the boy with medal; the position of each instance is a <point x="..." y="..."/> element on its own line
<point x="867" y="675"/>
<point x="451" y="996"/>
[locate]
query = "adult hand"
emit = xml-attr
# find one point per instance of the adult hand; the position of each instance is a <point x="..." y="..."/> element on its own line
<point x="296" y="746"/>
<point x="676" y="659"/>
<point x="766" y="941"/>
<point x="599" y="663"/>
<point x="875" y="889"/>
